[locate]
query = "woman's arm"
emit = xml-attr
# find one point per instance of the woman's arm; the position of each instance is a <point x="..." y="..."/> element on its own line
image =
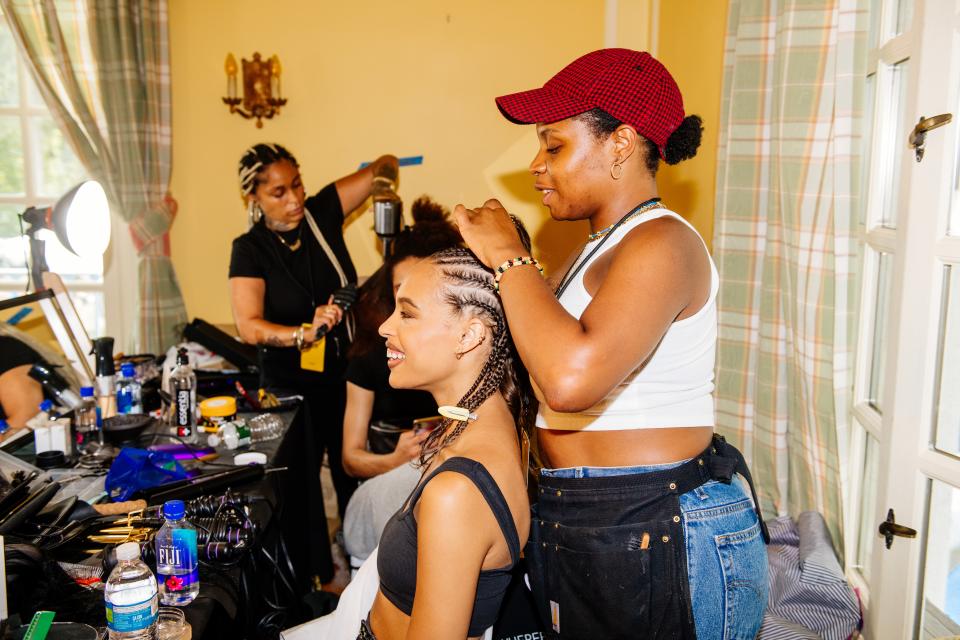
<point x="246" y="297"/>
<point x="356" y="187"/>
<point x="20" y="396"/>
<point x="453" y="538"/>
<point x="357" y="461"/>
<point x="649" y="282"/>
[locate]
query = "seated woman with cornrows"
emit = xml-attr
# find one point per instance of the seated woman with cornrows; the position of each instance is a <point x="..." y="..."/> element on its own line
<point x="445" y="557"/>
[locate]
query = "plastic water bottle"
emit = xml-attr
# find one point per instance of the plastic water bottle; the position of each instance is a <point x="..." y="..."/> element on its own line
<point x="176" y="541"/>
<point x="87" y="433"/>
<point x="266" y="426"/>
<point x="183" y="391"/>
<point x="131" y="597"/>
<point x="128" y="390"/>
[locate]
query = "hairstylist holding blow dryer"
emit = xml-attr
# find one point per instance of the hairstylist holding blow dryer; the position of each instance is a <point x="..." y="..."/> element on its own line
<point x="643" y="527"/>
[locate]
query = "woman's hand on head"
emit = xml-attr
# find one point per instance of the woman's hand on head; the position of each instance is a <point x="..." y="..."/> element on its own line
<point x="490" y="232"/>
<point x="326" y="315"/>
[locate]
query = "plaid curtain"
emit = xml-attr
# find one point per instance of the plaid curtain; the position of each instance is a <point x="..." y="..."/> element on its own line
<point x="102" y="68"/>
<point x="786" y="244"/>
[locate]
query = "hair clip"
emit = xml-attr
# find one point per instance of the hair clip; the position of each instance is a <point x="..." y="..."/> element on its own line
<point x="456" y="413"/>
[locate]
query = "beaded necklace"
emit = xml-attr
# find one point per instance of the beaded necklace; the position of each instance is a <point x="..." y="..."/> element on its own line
<point x="603" y="234"/>
<point x="649" y="205"/>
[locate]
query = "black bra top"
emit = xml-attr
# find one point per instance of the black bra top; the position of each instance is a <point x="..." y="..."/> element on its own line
<point x="397" y="560"/>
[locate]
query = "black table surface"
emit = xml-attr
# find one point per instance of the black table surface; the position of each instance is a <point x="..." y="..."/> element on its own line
<point x="252" y="600"/>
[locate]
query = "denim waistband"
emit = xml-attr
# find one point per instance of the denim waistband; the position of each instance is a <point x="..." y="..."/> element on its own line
<point x="606" y="472"/>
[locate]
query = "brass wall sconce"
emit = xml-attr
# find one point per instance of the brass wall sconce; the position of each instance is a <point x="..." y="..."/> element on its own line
<point x="261" y="82"/>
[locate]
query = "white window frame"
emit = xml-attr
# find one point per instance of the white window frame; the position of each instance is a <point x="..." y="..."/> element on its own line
<point x="119" y="284"/>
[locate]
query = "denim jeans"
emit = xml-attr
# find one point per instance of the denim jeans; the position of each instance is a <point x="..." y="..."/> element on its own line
<point x="588" y="541"/>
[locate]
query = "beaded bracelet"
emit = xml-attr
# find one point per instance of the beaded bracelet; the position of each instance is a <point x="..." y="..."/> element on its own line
<point x="513" y="262"/>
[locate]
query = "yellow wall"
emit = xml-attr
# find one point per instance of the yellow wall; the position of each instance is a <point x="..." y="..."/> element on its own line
<point x="362" y="78"/>
<point x="690" y="44"/>
<point x="409" y="78"/>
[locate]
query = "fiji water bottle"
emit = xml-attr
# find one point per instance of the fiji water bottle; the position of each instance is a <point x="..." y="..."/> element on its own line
<point x="131" y="597"/>
<point x="176" y="541"/>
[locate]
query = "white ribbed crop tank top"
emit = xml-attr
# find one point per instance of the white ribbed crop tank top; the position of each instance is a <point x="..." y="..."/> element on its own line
<point x="674" y="388"/>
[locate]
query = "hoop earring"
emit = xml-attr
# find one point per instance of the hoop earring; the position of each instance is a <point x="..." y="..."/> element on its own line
<point x="616" y="171"/>
<point x="459" y="355"/>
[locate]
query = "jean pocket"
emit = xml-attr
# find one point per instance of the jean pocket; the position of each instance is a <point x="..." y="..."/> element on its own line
<point x="743" y="559"/>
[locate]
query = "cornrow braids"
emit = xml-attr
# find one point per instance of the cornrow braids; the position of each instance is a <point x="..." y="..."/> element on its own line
<point x="252" y="163"/>
<point x="468" y="287"/>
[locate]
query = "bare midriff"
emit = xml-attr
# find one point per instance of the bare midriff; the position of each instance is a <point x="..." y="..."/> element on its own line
<point x="627" y="448"/>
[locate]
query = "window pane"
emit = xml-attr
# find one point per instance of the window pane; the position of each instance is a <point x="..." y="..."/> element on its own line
<point x="947" y="406"/>
<point x="941" y="581"/>
<point x="894" y="144"/>
<point x="876" y="6"/>
<point x="10" y="220"/>
<point x="869" y="96"/>
<point x="878" y="357"/>
<point x="11" y="155"/>
<point x="904" y="15"/>
<point x="9" y="83"/>
<point x="59" y="167"/>
<point x="868" y="497"/>
<point x="13" y="266"/>
<point x="89" y="306"/>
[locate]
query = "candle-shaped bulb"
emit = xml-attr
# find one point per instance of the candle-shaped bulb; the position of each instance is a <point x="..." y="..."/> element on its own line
<point x="230" y="65"/>
<point x="275" y="67"/>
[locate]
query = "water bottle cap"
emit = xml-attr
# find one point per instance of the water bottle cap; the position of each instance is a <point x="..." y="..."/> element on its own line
<point x="46" y="405"/>
<point x="173" y="509"/>
<point x="128" y="551"/>
<point x="127" y="370"/>
<point x="86" y="392"/>
<point x="4" y="427"/>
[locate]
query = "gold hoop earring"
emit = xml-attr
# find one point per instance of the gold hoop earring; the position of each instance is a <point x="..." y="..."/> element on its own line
<point x="616" y="171"/>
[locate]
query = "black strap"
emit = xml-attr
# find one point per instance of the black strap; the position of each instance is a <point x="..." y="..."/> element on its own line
<point x="488" y="488"/>
<point x="575" y="269"/>
<point x="726" y="461"/>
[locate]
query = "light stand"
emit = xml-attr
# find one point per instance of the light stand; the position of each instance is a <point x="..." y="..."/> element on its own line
<point x="81" y="221"/>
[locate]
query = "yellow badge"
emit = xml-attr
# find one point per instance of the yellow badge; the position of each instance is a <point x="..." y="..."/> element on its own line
<point x="311" y="358"/>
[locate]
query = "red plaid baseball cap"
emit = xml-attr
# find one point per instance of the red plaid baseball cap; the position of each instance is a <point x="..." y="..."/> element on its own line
<point x="632" y="86"/>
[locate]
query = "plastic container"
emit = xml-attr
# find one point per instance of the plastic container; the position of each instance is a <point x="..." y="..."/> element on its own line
<point x="86" y="428"/>
<point x="176" y="544"/>
<point x="218" y="411"/>
<point x="130" y="597"/>
<point x="172" y="625"/>
<point x="128" y="390"/>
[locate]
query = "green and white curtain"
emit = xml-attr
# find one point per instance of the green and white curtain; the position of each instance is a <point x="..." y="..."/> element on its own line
<point x="102" y="67"/>
<point x="786" y="244"/>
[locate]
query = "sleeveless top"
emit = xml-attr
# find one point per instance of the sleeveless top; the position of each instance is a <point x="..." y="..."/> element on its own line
<point x="397" y="560"/>
<point x="674" y="387"/>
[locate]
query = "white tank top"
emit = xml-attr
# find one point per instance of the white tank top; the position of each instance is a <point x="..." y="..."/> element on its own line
<point x="674" y="388"/>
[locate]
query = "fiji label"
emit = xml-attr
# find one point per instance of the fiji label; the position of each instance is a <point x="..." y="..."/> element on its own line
<point x="132" y="617"/>
<point x="179" y="559"/>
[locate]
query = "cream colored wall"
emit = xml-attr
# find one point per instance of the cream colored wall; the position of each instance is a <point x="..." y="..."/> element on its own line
<point x="690" y="44"/>
<point x="364" y="78"/>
